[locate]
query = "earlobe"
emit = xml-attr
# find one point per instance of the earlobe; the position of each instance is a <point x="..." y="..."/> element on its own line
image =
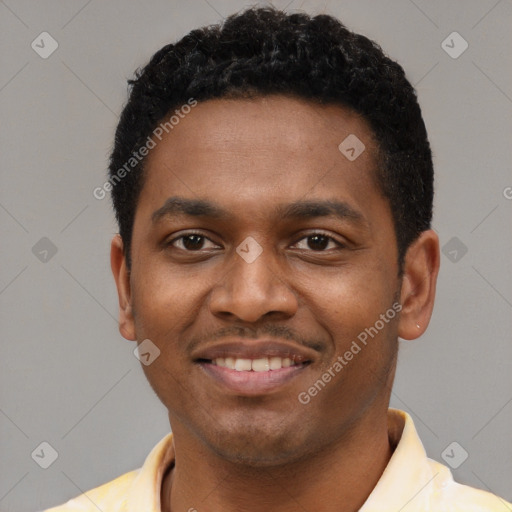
<point x="421" y="267"/>
<point x="122" y="279"/>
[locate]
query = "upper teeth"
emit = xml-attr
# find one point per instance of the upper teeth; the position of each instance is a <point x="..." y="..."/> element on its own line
<point x="258" y="365"/>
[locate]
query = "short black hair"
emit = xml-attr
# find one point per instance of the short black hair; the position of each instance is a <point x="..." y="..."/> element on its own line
<point x="265" y="51"/>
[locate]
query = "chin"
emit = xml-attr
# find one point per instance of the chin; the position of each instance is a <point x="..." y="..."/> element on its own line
<point x="255" y="457"/>
<point x="257" y="447"/>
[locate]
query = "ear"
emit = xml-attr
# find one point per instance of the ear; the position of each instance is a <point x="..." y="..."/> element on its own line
<point x="122" y="278"/>
<point x="421" y="267"/>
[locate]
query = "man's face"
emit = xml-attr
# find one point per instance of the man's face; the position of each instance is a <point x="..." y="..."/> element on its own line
<point x="262" y="280"/>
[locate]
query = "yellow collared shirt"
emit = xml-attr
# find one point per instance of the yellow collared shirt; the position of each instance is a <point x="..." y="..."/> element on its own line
<point x="411" y="482"/>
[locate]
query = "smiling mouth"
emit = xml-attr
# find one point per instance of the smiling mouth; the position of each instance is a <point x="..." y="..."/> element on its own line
<point x="262" y="364"/>
<point x="253" y="368"/>
<point x="252" y="377"/>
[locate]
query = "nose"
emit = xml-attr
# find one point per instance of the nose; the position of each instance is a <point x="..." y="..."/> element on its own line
<point x="249" y="291"/>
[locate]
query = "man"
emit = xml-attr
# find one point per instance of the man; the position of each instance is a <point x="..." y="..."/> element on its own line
<point x="273" y="184"/>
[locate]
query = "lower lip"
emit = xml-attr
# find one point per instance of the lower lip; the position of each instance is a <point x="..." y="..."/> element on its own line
<point x="251" y="383"/>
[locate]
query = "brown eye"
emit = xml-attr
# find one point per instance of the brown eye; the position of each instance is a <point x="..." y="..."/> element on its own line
<point x="318" y="242"/>
<point x="190" y="242"/>
<point x="193" y="242"/>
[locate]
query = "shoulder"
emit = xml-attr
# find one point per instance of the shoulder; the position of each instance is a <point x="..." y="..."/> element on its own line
<point x="454" y="497"/>
<point x="135" y="490"/>
<point x="110" y="496"/>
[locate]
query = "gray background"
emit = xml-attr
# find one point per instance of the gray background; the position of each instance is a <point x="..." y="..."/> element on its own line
<point x="68" y="378"/>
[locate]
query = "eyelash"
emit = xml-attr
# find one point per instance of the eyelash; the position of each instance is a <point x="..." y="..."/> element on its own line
<point x="189" y="233"/>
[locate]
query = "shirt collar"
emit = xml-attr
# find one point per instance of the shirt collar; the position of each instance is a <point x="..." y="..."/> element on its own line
<point x="144" y="494"/>
<point x="405" y="485"/>
<point x="409" y="480"/>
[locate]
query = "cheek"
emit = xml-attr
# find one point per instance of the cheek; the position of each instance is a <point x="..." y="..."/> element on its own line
<point x="362" y="344"/>
<point x="350" y="300"/>
<point x="167" y="305"/>
<point x="349" y="308"/>
<point x="164" y="299"/>
<point x="162" y="311"/>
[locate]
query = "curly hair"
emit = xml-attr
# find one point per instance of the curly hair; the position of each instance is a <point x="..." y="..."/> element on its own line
<point x="264" y="51"/>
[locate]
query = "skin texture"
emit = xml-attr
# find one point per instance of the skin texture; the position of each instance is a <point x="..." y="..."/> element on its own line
<point x="270" y="451"/>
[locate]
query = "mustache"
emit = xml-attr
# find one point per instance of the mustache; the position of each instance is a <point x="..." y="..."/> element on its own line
<point x="269" y="331"/>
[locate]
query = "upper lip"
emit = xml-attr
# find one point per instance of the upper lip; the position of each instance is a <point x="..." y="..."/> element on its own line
<point x="255" y="349"/>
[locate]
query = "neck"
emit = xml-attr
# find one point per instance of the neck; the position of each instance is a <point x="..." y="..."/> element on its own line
<point x="339" y="478"/>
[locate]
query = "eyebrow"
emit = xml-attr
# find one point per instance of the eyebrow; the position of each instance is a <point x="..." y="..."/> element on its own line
<point x="303" y="209"/>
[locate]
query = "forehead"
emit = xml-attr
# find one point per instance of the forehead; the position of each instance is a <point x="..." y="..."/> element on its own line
<point x="253" y="124"/>
<point x="248" y="154"/>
